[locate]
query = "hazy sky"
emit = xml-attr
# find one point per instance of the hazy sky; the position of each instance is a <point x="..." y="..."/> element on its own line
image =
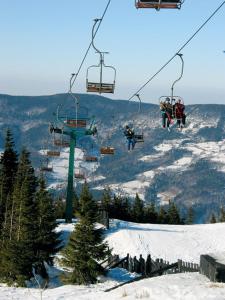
<point x="44" y="41"/>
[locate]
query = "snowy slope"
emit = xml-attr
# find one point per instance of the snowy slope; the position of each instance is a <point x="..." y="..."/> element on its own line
<point x="166" y="241"/>
<point x="188" y="286"/>
<point x="170" y="242"/>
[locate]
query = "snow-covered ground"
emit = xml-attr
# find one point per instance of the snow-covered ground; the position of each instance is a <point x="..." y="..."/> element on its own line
<point x="166" y="241"/>
<point x="187" y="286"/>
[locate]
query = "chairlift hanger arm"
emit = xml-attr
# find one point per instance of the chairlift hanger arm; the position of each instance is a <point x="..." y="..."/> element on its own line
<point x="93" y="36"/>
<point x="139" y="108"/>
<point x="181" y="74"/>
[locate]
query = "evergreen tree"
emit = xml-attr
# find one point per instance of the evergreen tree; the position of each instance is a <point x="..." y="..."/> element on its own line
<point x="138" y="210"/>
<point x="47" y="240"/>
<point x="86" y="245"/>
<point x="117" y="207"/>
<point x="8" y="168"/>
<point x="127" y="211"/>
<point x="173" y="214"/>
<point x="106" y="200"/>
<point x="213" y="218"/>
<point x="151" y="214"/>
<point x="162" y="216"/>
<point x="222" y="215"/>
<point x="17" y="254"/>
<point x="190" y="215"/>
<point x="60" y="208"/>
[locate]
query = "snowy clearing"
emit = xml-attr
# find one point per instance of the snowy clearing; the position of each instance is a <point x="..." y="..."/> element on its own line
<point x="166" y="241"/>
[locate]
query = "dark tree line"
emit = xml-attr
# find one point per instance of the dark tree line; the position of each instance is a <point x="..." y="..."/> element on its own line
<point x="27" y="218"/>
<point x="123" y="208"/>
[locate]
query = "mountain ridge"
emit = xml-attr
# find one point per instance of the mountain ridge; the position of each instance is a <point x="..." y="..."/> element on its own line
<point x="185" y="166"/>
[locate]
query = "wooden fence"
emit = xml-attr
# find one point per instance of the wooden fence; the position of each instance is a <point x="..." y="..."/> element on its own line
<point x="149" y="267"/>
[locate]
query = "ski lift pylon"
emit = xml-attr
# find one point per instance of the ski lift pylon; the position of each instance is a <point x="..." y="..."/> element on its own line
<point x="100" y="86"/>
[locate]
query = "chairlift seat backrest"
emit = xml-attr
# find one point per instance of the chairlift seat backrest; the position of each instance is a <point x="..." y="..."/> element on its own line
<point x="79" y="176"/>
<point x="91" y="158"/>
<point x="94" y="87"/>
<point x="107" y="150"/>
<point x="139" y="138"/>
<point x="61" y="143"/>
<point x="157" y="4"/>
<point x="76" y="123"/>
<point x="53" y="153"/>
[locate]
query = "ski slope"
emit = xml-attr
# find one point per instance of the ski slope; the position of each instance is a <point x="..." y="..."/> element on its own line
<point x="164" y="241"/>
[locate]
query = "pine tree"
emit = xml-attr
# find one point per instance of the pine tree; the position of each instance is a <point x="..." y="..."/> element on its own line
<point x="86" y="245"/>
<point x="116" y="207"/>
<point x="162" y="216"/>
<point x="222" y="215"/>
<point x="190" y="215"/>
<point x="151" y="215"/>
<point x="138" y="210"/>
<point x="47" y="240"/>
<point x="8" y="168"/>
<point x="213" y="218"/>
<point x="127" y="212"/>
<point x="17" y="254"/>
<point x="60" y="207"/>
<point x="106" y="200"/>
<point x="173" y="214"/>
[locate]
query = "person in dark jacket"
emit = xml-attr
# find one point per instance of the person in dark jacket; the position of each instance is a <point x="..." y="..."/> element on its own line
<point x="167" y="111"/>
<point x="129" y="133"/>
<point x="179" y="113"/>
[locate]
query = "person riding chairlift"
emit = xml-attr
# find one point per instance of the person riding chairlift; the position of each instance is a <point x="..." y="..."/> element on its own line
<point x="167" y="112"/>
<point x="129" y="133"/>
<point x="179" y="113"/>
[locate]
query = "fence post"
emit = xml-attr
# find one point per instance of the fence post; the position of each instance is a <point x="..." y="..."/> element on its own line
<point x="136" y="265"/>
<point x="130" y="265"/>
<point x="148" y="264"/>
<point x="142" y="265"/>
<point x="179" y="265"/>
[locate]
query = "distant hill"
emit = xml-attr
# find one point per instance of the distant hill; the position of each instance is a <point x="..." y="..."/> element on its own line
<point x="185" y="166"/>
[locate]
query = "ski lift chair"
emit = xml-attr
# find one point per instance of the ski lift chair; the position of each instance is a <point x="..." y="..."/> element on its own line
<point x="107" y="150"/>
<point x="100" y="87"/>
<point x="76" y="123"/>
<point x="46" y="169"/>
<point x="61" y="143"/>
<point x="90" y="158"/>
<point x="139" y="138"/>
<point x="79" y="175"/>
<point x="52" y="153"/>
<point x="157" y="4"/>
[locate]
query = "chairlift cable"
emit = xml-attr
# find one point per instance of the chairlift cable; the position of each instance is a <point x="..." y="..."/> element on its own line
<point x="177" y="52"/>
<point x="86" y="53"/>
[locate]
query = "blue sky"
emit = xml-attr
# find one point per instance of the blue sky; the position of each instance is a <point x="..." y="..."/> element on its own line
<point x="43" y="42"/>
